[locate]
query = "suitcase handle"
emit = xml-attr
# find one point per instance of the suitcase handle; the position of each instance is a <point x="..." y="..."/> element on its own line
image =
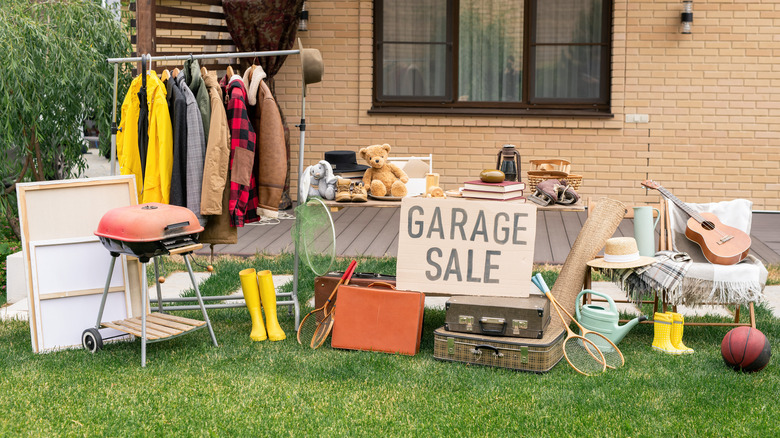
<point x="488" y="320"/>
<point x="382" y="283"/>
<point x="478" y="350"/>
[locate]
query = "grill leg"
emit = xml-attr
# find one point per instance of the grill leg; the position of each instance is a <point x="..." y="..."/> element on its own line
<point x="157" y="283"/>
<point x="144" y="303"/>
<point x="105" y="292"/>
<point x="200" y="299"/>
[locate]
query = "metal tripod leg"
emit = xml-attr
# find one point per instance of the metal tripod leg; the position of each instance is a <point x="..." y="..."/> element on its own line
<point x="200" y="300"/>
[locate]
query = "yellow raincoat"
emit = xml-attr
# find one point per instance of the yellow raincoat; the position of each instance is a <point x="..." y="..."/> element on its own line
<point x="156" y="187"/>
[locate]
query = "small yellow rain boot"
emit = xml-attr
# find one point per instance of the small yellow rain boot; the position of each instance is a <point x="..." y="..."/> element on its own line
<point x="268" y="295"/>
<point x="252" y="297"/>
<point x="662" y="333"/>
<point x="678" y="322"/>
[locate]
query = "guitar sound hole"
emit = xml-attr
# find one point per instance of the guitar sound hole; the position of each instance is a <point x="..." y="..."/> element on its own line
<point x="707" y="225"/>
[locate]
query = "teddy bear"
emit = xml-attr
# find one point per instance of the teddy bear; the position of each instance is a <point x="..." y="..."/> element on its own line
<point x="383" y="177"/>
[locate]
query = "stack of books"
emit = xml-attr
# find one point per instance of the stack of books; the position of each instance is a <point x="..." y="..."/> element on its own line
<point x="503" y="191"/>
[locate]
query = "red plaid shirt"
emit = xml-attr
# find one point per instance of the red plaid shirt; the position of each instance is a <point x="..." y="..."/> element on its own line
<point x="243" y="187"/>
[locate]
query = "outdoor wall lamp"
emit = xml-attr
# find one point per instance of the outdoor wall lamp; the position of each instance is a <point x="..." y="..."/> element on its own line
<point x="303" y="19"/>
<point x="687" y="16"/>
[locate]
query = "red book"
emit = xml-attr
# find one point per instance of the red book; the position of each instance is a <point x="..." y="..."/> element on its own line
<point x="493" y="196"/>
<point x="502" y="187"/>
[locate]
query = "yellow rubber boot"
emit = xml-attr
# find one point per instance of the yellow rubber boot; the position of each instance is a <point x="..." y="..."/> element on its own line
<point x="678" y="322"/>
<point x="662" y="337"/>
<point x="268" y="295"/>
<point x="252" y="298"/>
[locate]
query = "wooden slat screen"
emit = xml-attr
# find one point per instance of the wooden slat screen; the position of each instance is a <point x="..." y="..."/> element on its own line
<point x="188" y="26"/>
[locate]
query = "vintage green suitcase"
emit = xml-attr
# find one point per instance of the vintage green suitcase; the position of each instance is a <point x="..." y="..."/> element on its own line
<point x="526" y="317"/>
<point x="536" y="355"/>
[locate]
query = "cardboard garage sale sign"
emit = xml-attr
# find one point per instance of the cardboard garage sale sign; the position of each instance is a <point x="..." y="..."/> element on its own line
<point x="465" y="247"/>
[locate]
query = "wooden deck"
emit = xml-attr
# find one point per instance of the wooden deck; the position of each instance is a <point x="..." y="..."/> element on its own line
<point x="374" y="232"/>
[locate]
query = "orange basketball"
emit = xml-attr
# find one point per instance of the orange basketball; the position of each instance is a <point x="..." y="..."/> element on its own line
<point x="746" y="349"/>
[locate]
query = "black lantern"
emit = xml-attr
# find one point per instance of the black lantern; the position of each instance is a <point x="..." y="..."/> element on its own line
<point x="509" y="162"/>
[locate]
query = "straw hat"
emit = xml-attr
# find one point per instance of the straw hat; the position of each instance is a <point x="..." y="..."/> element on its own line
<point x="621" y="253"/>
<point x="313" y="68"/>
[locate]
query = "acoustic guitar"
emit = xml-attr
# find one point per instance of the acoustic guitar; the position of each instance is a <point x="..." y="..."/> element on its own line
<point x="721" y="244"/>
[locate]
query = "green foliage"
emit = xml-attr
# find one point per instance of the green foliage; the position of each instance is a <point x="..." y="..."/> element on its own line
<point x="9" y="244"/>
<point x="55" y="76"/>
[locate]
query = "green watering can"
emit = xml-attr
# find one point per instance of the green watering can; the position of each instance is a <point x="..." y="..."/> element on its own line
<point x="604" y="321"/>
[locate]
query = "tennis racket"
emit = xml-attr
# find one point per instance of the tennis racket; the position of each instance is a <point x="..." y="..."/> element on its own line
<point x="323" y="329"/>
<point x="612" y="354"/>
<point x="581" y="353"/>
<point x="309" y="323"/>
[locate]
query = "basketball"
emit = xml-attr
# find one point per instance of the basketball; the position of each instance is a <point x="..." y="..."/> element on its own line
<point x="746" y="349"/>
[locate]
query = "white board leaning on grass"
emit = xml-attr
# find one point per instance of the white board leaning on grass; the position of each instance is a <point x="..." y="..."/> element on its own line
<point x="466" y="247"/>
<point x="69" y="276"/>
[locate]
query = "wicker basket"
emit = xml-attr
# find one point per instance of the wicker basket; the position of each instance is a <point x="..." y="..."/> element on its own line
<point x="535" y="177"/>
<point x="551" y="164"/>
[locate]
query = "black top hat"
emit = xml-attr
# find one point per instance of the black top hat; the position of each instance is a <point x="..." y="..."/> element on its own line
<point x="344" y="161"/>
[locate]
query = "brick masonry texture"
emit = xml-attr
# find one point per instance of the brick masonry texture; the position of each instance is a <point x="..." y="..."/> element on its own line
<point x="712" y="98"/>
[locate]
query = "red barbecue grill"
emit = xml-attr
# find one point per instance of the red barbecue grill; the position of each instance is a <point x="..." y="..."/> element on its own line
<point x="146" y="231"/>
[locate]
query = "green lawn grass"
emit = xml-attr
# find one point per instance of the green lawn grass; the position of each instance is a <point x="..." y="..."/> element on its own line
<point x="244" y="388"/>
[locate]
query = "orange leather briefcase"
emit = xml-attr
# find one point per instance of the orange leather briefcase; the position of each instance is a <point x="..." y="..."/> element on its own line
<point x="378" y="318"/>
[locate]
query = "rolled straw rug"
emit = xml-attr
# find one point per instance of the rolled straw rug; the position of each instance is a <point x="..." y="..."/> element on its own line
<point x="601" y="224"/>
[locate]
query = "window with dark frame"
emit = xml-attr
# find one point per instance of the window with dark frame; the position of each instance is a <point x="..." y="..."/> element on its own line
<point x="492" y="56"/>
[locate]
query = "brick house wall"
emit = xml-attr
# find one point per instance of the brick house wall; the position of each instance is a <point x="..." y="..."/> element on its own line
<point x="712" y="99"/>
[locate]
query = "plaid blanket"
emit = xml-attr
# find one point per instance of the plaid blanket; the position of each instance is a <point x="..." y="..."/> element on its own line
<point x="666" y="274"/>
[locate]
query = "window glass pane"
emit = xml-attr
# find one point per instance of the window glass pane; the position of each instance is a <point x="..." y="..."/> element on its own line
<point x="569" y="21"/>
<point x="414" y="20"/>
<point x="490" y="50"/>
<point x="414" y="70"/>
<point x="572" y="72"/>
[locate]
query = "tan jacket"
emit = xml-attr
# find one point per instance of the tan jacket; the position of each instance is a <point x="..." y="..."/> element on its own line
<point x="271" y="164"/>
<point x="215" y="190"/>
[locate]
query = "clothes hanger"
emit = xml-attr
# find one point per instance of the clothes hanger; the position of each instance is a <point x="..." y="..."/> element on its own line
<point x="229" y="72"/>
<point x="175" y="72"/>
<point x="165" y="75"/>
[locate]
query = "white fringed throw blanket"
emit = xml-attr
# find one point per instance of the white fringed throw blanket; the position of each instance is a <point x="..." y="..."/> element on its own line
<point x="691" y="283"/>
<point x="686" y="276"/>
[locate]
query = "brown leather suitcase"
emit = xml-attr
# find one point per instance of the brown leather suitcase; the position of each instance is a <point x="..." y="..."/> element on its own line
<point x="536" y="355"/>
<point x="323" y="285"/>
<point x="378" y="318"/>
<point x="526" y="317"/>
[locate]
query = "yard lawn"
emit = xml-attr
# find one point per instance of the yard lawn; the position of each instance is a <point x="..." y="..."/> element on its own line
<point x="250" y="388"/>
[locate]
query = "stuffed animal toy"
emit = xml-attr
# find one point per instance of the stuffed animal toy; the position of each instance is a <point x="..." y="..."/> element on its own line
<point x="383" y="177"/>
<point x="318" y="180"/>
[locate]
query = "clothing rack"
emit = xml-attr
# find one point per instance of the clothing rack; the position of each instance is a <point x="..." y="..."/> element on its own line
<point x="292" y="302"/>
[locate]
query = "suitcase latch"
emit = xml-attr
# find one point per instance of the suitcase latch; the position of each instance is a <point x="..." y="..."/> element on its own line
<point x="524" y="354"/>
<point x="450" y="346"/>
<point x="468" y="320"/>
<point x="519" y="324"/>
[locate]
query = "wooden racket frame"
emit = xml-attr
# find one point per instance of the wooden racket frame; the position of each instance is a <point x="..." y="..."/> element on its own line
<point x="323" y="329"/>
<point x="584" y="332"/>
<point x="570" y="334"/>
<point x="324" y="306"/>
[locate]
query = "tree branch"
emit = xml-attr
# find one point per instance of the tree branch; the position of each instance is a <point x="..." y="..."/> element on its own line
<point x="12" y="187"/>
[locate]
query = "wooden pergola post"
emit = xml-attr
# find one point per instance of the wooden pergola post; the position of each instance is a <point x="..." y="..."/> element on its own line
<point x="145" y="28"/>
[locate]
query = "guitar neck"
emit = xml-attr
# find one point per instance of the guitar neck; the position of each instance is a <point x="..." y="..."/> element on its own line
<point x="683" y="206"/>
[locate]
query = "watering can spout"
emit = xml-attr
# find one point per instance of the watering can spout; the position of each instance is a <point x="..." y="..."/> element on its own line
<point x="622" y="331"/>
<point x="603" y="320"/>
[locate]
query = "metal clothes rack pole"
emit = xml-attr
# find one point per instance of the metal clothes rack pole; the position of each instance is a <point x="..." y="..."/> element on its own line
<point x="293" y="301"/>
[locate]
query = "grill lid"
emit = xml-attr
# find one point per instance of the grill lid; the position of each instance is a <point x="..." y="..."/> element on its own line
<point x="147" y="223"/>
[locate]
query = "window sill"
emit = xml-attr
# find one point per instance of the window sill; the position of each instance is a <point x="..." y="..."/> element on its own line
<point x="569" y="113"/>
